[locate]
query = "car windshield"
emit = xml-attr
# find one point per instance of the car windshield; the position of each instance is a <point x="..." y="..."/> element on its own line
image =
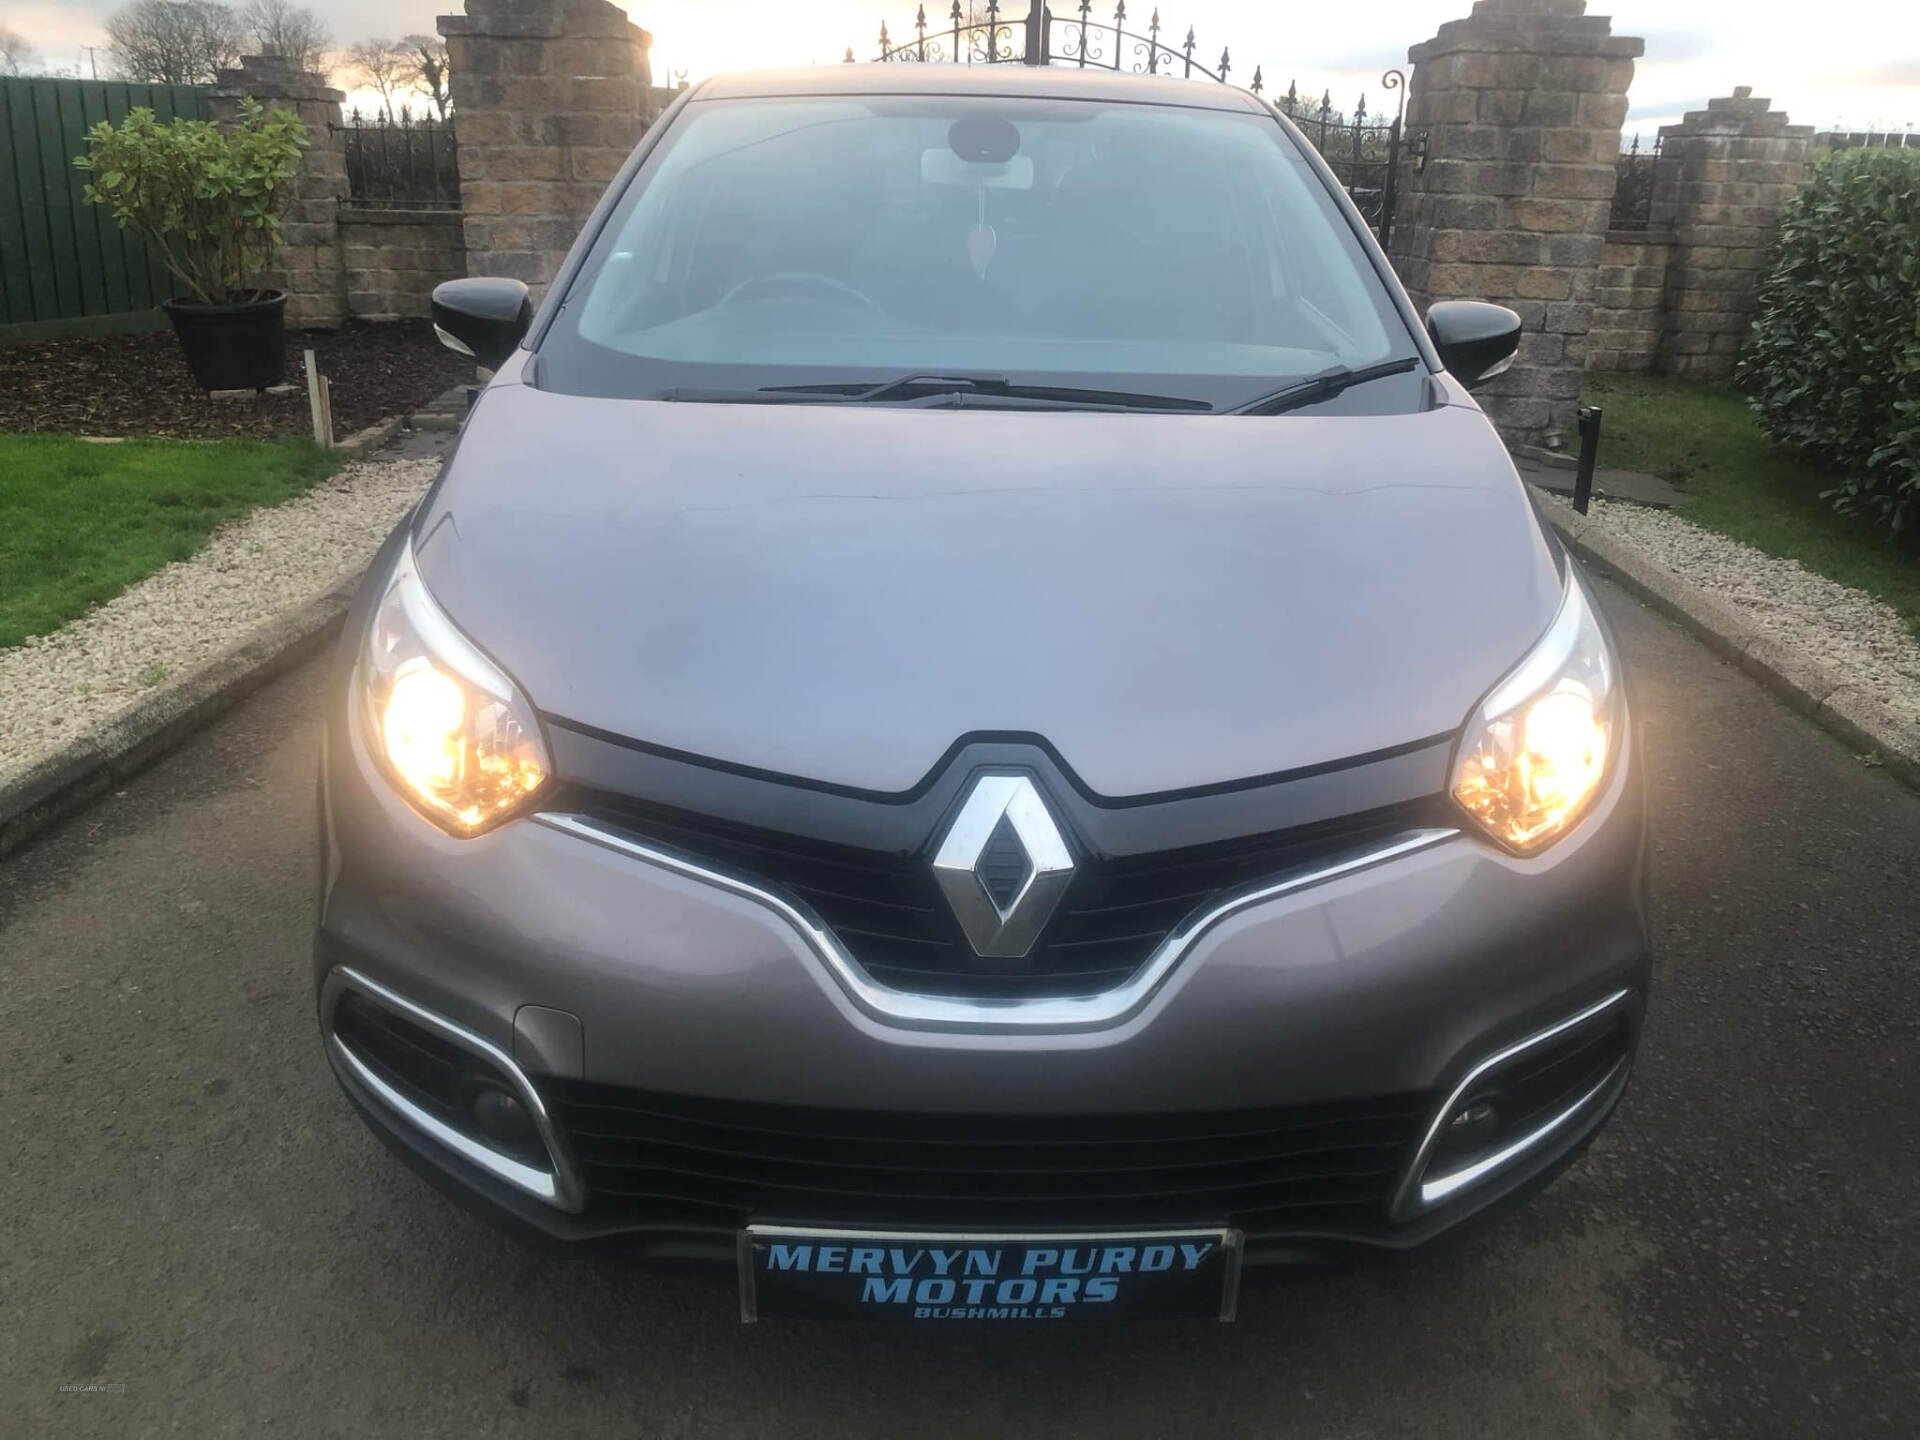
<point x="841" y="242"/>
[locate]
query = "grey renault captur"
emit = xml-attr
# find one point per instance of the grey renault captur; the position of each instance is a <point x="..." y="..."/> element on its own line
<point x="979" y="723"/>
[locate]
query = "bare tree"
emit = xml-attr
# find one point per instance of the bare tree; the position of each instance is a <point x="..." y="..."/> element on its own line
<point x="427" y="55"/>
<point x="175" y="42"/>
<point x="384" y="67"/>
<point x="16" y="51"/>
<point x="280" y="27"/>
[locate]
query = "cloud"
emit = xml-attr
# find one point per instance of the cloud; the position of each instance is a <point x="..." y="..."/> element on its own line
<point x="1664" y="109"/>
<point x="1369" y="57"/>
<point x="1672" y="47"/>
<point x="1887" y="75"/>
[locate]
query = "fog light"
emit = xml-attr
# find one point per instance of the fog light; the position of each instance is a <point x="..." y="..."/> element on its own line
<point x="1471" y="1130"/>
<point x="503" y="1119"/>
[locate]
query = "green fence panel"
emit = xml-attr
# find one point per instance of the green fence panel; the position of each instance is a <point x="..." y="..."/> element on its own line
<point x="63" y="219"/>
<point x="37" y="260"/>
<point x="62" y="260"/>
<point x="16" y="294"/>
<point x="107" y="240"/>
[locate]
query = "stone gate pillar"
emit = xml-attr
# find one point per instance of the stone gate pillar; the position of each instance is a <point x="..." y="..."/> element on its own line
<point x="549" y="97"/>
<point x="307" y="261"/>
<point x="1522" y="104"/>
<point x="1725" y="174"/>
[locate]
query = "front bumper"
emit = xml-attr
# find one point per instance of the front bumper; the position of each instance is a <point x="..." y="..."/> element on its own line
<point x="579" y="975"/>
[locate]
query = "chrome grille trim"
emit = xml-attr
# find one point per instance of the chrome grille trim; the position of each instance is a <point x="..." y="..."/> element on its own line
<point x="560" y="1187"/>
<point x="941" y="1012"/>
<point x="1418" y="1193"/>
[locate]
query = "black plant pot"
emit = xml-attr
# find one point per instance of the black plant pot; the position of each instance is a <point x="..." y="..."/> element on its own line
<point x="242" y="346"/>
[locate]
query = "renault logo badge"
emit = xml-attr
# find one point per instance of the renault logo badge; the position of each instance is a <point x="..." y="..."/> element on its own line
<point x="1003" y="866"/>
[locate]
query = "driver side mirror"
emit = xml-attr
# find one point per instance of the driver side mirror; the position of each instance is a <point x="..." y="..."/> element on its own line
<point x="484" y="316"/>
<point x="1476" y="340"/>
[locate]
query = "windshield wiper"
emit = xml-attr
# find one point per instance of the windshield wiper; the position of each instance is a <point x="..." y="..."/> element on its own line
<point x="933" y="390"/>
<point x="1324" y="386"/>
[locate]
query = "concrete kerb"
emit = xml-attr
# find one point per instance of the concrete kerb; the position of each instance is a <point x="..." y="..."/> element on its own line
<point x="1803" y="681"/>
<point x="94" y="763"/>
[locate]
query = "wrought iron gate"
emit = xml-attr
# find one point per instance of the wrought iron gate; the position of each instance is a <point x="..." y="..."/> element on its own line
<point x="1362" y="149"/>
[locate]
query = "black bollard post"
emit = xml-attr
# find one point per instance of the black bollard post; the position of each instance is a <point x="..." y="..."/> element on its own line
<point x="1589" y="448"/>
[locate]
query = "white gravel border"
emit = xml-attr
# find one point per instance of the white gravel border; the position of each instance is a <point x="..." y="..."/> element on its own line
<point x="55" y="688"/>
<point x="1861" y="638"/>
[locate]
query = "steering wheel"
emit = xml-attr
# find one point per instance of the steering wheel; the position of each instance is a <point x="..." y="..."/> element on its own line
<point x="792" y="280"/>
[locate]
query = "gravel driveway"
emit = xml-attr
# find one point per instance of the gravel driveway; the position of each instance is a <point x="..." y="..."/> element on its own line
<point x="1857" y="635"/>
<point x="56" y="687"/>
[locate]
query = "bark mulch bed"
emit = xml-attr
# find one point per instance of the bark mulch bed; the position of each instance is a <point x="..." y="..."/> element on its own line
<point x="139" y="385"/>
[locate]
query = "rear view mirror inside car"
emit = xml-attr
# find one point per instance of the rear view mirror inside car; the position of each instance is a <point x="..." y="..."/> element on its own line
<point x="943" y="167"/>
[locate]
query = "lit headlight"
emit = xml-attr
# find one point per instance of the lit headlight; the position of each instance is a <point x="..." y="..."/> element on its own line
<point x="1535" y="752"/>
<point x="450" y="728"/>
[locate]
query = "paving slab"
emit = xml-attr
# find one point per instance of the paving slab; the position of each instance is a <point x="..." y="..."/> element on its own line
<point x="1634" y="485"/>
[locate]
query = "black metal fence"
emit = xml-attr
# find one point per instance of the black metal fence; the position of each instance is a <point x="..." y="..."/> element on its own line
<point x="398" y="162"/>
<point x="1633" y="186"/>
<point x="1362" y="149"/>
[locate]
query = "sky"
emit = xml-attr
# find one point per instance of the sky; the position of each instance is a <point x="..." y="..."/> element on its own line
<point x="1858" y="66"/>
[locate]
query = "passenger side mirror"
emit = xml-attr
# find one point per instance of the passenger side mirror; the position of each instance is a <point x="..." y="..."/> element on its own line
<point x="485" y="317"/>
<point x="1476" y="340"/>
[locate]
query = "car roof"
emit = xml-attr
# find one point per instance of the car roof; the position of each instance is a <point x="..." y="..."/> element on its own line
<point x="1056" y="82"/>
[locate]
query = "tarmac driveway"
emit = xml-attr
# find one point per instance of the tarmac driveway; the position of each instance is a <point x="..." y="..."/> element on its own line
<point x="192" y="1212"/>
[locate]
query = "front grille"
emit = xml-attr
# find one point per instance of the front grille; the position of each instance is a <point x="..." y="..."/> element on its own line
<point x="887" y="909"/>
<point x="670" y="1158"/>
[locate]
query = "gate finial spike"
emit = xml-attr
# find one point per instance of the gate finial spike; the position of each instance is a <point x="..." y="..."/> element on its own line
<point x="1226" y="64"/>
<point x="848" y="60"/>
<point x="1120" y="13"/>
<point x="1191" y="42"/>
<point x="885" y="43"/>
<point x="1153" y="25"/>
<point x="1258" y="82"/>
<point x="956" y="16"/>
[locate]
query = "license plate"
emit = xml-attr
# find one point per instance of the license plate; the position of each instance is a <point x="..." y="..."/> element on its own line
<point x="934" y="1279"/>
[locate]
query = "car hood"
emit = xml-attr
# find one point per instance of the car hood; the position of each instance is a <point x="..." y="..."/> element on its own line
<point x="839" y="593"/>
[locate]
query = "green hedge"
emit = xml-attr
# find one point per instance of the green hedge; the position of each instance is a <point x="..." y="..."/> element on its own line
<point x="1833" y="361"/>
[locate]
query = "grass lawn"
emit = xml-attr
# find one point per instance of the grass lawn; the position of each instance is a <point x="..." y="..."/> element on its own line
<point x="1705" y="439"/>
<point x="80" y="522"/>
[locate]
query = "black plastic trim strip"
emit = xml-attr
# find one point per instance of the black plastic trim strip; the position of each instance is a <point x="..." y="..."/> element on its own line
<point x="1412" y="776"/>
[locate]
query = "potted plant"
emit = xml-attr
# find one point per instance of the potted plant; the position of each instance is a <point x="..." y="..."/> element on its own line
<point x="210" y="200"/>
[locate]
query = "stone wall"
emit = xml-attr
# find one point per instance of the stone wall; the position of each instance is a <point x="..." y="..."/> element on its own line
<point x="394" y="258"/>
<point x="551" y="97"/>
<point x="1629" y="301"/>
<point x="1725" y="174"/>
<point x="307" y="262"/>
<point x="1522" y="104"/>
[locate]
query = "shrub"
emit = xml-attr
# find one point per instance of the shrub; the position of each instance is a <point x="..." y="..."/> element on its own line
<point x="1833" y="361"/>
<point x="209" y="199"/>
